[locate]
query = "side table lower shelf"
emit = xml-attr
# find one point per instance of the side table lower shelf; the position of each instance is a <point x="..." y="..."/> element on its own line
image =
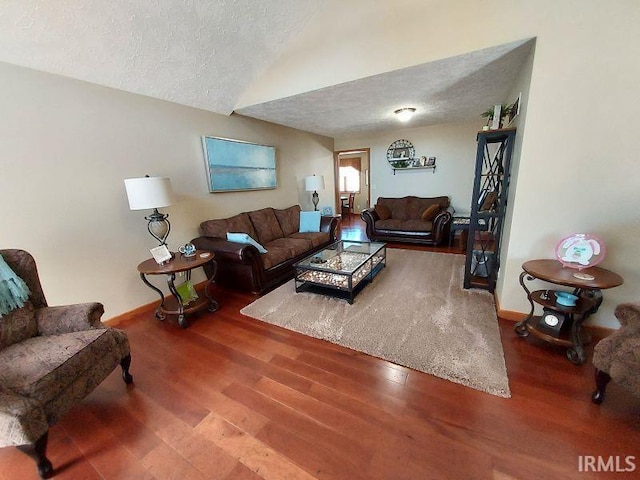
<point x="171" y="306"/>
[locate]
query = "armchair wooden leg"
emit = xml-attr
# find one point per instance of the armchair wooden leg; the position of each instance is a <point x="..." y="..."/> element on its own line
<point x="38" y="451"/>
<point x="125" y="363"/>
<point x="602" y="379"/>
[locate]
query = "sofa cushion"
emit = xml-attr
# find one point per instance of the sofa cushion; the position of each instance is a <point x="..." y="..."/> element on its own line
<point x="430" y="212"/>
<point x="395" y="224"/>
<point x="296" y="246"/>
<point x="266" y="225"/>
<point x="316" y="239"/>
<point x="411" y="207"/>
<point x="42" y="367"/>
<point x="383" y="212"/>
<point x="246" y="239"/>
<point x="275" y="255"/>
<point x="18" y="325"/>
<point x="289" y="219"/>
<point x="220" y="228"/>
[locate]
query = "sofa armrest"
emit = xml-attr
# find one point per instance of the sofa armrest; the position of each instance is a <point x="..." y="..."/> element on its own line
<point x="370" y="218"/>
<point x="330" y="225"/>
<point x="227" y="251"/>
<point x="440" y="227"/>
<point x="369" y="215"/>
<point x="69" y="318"/>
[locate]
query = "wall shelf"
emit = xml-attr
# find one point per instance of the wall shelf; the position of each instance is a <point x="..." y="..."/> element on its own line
<point x="432" y="167"/>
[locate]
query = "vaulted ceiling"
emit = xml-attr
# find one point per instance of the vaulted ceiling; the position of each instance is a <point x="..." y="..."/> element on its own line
<point x="206" y="55"/>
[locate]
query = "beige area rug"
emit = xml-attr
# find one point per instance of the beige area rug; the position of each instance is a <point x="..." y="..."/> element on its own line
<point x="415" y="313"/>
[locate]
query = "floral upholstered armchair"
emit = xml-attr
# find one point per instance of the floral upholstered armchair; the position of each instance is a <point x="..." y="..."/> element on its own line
<point x="617" y="357"/>
<point x="51" y="357"/>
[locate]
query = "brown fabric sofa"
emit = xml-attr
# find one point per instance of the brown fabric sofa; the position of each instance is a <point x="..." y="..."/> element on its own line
<point x="51" y="357"/>
<point x="242" y="266"/>
<point x="617" y="357"/>
<point x="407" y="220"/>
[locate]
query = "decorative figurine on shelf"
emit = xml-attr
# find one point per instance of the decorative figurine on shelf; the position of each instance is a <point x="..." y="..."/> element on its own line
<point x="580" y="250"/>
<point x="188" y="250"/>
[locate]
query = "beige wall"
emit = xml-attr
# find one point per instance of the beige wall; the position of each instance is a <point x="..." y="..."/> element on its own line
<point x="578" y="168"/>
<point x="453" y="145"/>
<point x="67" y="145"/>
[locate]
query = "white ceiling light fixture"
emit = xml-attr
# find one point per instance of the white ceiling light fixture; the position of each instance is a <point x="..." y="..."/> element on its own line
<point x="405" y="114"/>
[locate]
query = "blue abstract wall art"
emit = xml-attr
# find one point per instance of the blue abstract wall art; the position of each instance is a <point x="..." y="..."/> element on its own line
<point x="234" y="165"/>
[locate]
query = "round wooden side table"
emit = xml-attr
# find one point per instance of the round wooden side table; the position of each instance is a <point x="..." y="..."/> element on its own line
<point x="587" y="285"/>
<point x="179" y="263"/>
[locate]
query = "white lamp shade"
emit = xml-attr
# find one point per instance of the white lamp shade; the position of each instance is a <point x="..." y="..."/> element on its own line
<point x="314" y="183"/>
<point x="148" y="192"/>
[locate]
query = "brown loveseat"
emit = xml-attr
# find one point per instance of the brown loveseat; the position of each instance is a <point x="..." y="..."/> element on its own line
<point x="409" y="219"/>
<point x="242" y="266"/>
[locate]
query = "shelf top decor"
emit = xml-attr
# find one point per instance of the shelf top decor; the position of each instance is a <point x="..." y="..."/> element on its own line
<point x="400" y="150"/>
<point x="580" y="250"/>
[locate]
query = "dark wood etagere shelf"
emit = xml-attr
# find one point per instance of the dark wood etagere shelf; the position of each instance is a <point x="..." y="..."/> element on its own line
<point x="488" y="207"/>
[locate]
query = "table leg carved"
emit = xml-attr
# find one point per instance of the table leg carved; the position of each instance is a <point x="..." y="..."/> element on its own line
<point x="158" y="313"/>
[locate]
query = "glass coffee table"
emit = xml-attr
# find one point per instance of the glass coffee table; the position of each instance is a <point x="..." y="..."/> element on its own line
<point x="341" y="269"/>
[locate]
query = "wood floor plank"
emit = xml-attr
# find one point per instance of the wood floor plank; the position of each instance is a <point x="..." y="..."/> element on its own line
<point x="102" y="450"/>
<point x="250" y="451"/>
<point x="233" y="398"/>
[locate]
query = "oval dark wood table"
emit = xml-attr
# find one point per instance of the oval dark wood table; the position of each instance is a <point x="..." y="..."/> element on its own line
<point x="179" y="263"/>
<point x="587" y="285"/>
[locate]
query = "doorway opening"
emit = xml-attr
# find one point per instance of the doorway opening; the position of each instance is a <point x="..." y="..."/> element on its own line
<point x="352" y="171"/>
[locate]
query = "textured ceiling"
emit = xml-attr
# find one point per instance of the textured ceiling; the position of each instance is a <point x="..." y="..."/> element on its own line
<point x="207" y="54"/>
<point x="454" y="89"/>
<point x="201" y="54"/>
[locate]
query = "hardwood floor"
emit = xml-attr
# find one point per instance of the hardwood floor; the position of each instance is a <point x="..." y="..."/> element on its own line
<point x="234" y="398"/>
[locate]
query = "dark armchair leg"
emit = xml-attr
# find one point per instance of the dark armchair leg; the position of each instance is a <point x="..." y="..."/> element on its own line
<point x="38" y="451"/>
<point x="125" y="363"/>
<point x="602" y="378"/>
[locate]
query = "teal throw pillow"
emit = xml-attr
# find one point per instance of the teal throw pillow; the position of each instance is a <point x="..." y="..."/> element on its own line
<point x="310" y="221"/>
<point x="245" y="238"/>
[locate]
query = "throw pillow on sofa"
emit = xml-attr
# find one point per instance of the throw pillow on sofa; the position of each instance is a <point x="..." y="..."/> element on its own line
<point x="309" y="222"/>
<point x="245" y="238"/>
<point x="383" y="212"/>
<point x="430" y="212"/>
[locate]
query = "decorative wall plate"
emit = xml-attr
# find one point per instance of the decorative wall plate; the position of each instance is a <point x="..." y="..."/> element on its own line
<point x="580" y="250"/>
<point x="400" y="150"/>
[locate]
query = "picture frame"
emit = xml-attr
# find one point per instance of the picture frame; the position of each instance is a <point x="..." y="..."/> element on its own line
<point x="514" y="111"/>
<point x="237" y="165"/>
<point x="161" y="254"/>
<point x="431" y="162"/>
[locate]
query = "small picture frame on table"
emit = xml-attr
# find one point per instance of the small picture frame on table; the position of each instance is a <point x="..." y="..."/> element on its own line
<point x="161" y="254"/>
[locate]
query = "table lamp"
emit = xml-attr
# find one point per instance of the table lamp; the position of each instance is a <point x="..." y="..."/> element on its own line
<point x="314" y="183"/>
<point x="151" y="193"/>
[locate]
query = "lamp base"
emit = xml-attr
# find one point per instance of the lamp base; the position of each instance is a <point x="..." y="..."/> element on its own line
<point x="315" y="198"/>
<point x="159" y="226"/>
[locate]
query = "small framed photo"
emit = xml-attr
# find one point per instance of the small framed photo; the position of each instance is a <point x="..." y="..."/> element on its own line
<point x="514" y="110"/>
<point x="431" y="162"/>
<point x="161" y="254"/>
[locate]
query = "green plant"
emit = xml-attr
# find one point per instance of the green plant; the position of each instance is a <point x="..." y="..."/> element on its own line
<point x="504" y="111"/>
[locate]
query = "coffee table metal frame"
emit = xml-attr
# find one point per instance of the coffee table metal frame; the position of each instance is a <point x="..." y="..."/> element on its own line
<point x="342" y="269"/>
